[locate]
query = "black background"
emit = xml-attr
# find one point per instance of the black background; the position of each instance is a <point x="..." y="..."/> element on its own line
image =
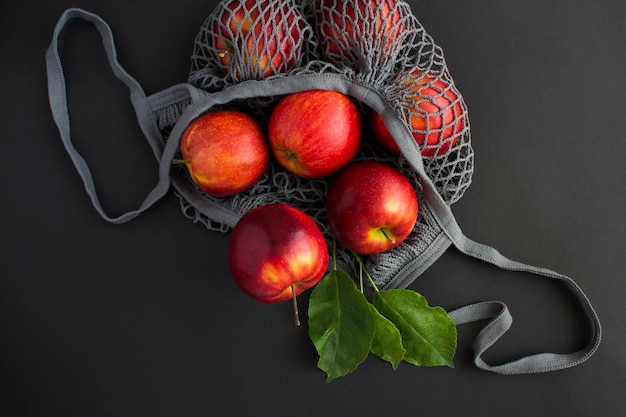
<point x="143" y="319"/>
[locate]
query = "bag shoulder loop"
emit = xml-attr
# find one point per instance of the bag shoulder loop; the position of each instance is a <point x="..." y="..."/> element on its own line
<point x="497" y="312"/>
<point x="57" y="94"/>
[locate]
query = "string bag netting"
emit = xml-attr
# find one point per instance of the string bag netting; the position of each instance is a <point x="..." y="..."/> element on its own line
<point x="390" y="54"/>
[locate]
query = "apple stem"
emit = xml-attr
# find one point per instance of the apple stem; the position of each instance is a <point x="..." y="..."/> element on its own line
<point x="222" y="53"/>
<point x="295" y="305"/>
<point x="389" y="238"/>
<point x="180" y="161"/>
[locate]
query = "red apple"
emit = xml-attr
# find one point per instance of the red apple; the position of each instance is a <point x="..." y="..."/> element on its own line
<point x="255" y="39"/>
<point x="382" y="135"/>
<point x="225" y="152"/>
<point x="371" y="207"/>
<point x="275" y="252"/>
<point x="351" y="28"/>
<point x="314" y="133"/>
<point x="437" y="118"/>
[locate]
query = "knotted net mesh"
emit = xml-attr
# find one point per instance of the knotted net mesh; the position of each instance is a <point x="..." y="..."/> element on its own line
<point x="375" y="43"/>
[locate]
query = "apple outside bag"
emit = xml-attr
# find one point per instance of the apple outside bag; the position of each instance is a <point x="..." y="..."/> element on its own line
<point x="381" y="68"/>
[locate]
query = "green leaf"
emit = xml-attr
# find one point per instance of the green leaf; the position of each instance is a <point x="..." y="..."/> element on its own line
<point x="428" y="333"/>
<point x="341" y="324"/>
<point x="387" y="343"/>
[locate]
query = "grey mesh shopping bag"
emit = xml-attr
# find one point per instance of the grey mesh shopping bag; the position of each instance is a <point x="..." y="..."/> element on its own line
<point x="380" y="65"/>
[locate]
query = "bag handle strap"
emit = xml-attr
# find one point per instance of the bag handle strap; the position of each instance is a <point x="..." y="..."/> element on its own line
<point x="497" y="312"/>
<point x="501" y="320"/>
<point x="57" y="94"/>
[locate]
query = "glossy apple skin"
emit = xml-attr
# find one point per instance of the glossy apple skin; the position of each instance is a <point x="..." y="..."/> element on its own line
<point x="274" y="246"/>
<point x="225" y="152"/>
<point x="437" y="118"/>
<point x="367" y="199"/>
<point x="256" y="39"/>
<point x="314" y="133"/>
<point x="343" y="24"/>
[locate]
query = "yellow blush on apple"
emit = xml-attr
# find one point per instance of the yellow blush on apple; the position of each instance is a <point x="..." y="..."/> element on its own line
<point x="225" y="152"/>
<point x="372" y="207"/>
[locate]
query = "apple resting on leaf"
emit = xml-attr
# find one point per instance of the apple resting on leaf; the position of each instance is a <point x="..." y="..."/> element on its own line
<point x="371" y="207"/>
<point x="225" y="152"/>
<point x="314" y="133"/>
<point x="254" y="39"/>
<point x="275" y="252"/>
<point x="437" y="117"/>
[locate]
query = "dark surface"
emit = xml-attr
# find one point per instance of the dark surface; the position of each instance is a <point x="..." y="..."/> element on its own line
<point x="143" y="319"/>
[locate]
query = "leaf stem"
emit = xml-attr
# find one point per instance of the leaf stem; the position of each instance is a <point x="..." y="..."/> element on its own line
<point x="361" y="277"/>
<point x="334" y="254"/>
<point x="369" y="277"/>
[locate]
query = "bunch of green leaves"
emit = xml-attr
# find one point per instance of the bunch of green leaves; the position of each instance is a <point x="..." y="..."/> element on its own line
<point x="396" y="325"/>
